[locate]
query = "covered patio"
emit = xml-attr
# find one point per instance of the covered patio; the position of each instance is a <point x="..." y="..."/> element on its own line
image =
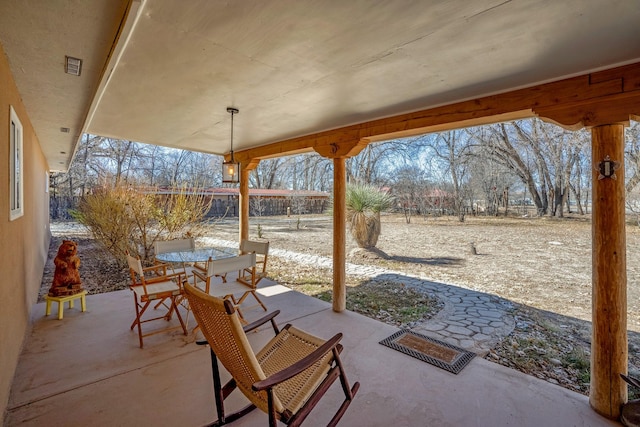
<point x="87" y="369"/>
<point x="323" y="77"/>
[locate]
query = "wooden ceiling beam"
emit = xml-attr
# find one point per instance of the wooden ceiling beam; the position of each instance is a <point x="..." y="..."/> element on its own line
<point x="604" y="97"/>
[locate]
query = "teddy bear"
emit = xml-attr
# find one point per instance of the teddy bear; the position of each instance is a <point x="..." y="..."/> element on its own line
<point x="66" y="278"/>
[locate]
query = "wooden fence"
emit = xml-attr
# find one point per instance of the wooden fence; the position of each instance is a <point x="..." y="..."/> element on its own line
<point x="61" y="206"/>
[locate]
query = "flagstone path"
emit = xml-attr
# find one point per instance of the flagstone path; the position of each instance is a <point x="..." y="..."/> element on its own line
<point x="469" y="319"/>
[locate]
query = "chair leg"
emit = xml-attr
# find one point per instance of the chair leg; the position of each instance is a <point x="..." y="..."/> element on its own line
<point x="187" y="319"/>
<point x="138" y="314"/>
<point x="217" y="387"/>
<point x="161" y="302"/>
<point x="334" y="373"/>
<point x="273" y="420"/>
<point x="348" y="392"/>
<point x="264" y="307"/>
<point x="221" y="393"/>
<point x="251" y="292"/>
<point x="174" y="307"/>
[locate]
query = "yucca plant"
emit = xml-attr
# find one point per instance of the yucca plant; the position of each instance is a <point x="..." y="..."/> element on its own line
<point x="364" y="204"/>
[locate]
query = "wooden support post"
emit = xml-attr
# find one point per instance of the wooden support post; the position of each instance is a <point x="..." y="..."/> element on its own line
<point x="244" y="203"/>
<point x="339" y="152"/>
<point x="339" y="234"/>
<point x="609" y="275"/>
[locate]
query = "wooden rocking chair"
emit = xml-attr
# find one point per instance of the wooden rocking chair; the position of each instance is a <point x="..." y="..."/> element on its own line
<point x="285" y="379"/>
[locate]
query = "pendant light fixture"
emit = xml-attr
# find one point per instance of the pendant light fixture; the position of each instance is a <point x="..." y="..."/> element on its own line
<point x="231" y="169"/>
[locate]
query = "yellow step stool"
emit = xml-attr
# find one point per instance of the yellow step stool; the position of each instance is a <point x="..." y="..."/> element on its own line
<point x="62" y="300"/>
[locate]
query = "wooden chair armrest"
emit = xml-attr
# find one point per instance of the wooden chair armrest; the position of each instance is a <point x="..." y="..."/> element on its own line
<point x="269" y="317"/>
<point x="299" y="366"/>
<point x="157" y="267"/>
<point x="200" y="275"/>
<point x="199" y="266"/>
<point x="165" y="278"/>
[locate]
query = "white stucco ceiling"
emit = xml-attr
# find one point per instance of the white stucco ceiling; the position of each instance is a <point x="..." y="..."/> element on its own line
<point x="292" y="67"/>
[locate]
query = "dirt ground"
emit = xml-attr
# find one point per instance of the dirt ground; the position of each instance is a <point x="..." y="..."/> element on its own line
<point x="544" y="263"/>
<point x="541" y="264"/>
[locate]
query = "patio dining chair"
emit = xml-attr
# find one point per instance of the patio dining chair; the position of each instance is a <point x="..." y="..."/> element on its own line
<point x="155" y="288"/>
<point x="285" y="379"/>
<point x="236" y="291"/>
<point x="174" y="245"/>
<point x="261" y="249"/>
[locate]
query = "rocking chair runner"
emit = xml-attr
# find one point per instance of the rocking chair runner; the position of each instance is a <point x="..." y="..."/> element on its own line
<point x="285" y="379"/>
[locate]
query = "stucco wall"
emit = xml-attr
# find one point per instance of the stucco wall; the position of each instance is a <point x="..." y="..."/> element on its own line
<point x="23" y="241"/>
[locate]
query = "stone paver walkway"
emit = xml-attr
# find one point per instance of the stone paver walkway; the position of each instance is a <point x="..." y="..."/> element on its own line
<point x="472" y="320"/>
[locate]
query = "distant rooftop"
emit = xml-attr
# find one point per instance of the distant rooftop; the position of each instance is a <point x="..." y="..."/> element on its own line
<point x="255" y="192"/>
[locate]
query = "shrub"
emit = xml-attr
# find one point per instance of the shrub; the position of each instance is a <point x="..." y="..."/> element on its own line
<point x="128" y="219"/>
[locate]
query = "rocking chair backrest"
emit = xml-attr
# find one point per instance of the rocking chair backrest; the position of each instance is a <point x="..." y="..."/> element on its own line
<point x="221" y="326"/>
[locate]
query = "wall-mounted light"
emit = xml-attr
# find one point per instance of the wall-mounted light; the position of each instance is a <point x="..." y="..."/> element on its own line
<point x="72" y="65"/>
<point x="231" y="169"/>
<point x="607" y="168"/>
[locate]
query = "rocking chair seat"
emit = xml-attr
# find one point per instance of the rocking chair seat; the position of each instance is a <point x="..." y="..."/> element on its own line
<point x="285" y="349"/>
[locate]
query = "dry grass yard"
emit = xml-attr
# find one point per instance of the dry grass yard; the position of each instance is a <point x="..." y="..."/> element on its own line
<point x="541" y="264"/>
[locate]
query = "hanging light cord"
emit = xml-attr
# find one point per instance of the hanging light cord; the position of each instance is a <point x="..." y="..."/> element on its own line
<point x="232" y="111"/>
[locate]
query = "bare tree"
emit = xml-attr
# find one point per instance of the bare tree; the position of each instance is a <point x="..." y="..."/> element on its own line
<point x="453" y="149"/>
<point x="268" y="173"/>
<point x="375" y="163"/>
<point x="632" y="156"/>
<point x="518" y="151"/>
<point x="312" y="172"/>
<point x="409" y="189"/>
<point x="581" y="182"/>
<point x="545" y="157"/>
<point x="492" y="180"/>
<point x="118" y="155"/>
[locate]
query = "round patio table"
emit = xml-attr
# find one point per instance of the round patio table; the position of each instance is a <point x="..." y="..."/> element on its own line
<point x="197" y="255"/>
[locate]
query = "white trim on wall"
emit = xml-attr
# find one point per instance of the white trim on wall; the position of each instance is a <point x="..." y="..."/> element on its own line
<point x="16" y="167"/>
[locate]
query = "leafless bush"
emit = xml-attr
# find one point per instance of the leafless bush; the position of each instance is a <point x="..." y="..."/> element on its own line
<point x="125" y="219"/>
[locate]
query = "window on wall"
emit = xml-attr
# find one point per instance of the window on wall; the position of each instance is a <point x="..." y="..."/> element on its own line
<point x="15" y="167"/>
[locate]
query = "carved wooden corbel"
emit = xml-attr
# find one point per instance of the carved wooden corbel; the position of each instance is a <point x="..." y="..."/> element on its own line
<point x="342" y="149"/>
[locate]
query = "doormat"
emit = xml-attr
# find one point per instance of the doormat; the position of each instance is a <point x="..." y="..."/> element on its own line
<point x="438" y="353"/>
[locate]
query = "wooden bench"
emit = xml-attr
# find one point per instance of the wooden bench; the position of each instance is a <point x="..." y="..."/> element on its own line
<point x="61" y="300"/>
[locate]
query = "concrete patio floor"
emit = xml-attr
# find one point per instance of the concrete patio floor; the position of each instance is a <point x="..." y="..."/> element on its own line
<point x="87" y="369"/>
